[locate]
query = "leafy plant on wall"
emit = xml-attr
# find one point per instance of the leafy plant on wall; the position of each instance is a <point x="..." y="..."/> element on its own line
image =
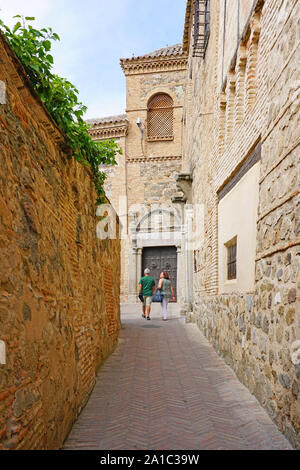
<point x="60" y="97"/>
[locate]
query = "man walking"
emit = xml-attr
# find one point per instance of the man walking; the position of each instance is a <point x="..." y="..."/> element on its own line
<point x="147" y="288"/>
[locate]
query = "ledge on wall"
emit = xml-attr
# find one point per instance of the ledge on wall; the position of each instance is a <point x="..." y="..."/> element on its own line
<point x="184" y="183"/>
<point x="178" y="199"/>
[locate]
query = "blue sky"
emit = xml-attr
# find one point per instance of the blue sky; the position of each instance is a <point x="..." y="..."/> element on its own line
<point x="95" y="34"/>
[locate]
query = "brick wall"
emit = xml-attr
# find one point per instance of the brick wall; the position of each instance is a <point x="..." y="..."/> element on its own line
<point x="257" y="99"/>
<point x="59" y="284"/>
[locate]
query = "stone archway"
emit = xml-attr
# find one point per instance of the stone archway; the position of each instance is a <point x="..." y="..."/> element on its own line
<point x="158" y="227"/>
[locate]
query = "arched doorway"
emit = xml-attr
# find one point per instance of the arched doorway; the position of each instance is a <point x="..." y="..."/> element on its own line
<point x="156" y="243"/>
<point x="158" y="259"/>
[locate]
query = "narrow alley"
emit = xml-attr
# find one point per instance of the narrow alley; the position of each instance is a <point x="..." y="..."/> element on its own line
<point x="164" y="387"/>
<point x="171" y="165"/>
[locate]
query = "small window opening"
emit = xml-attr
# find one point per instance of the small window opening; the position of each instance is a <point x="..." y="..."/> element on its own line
<point x="231" y="259"/>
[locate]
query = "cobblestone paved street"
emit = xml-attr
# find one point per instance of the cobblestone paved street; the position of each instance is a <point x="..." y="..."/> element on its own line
<point x="164" y="387"/>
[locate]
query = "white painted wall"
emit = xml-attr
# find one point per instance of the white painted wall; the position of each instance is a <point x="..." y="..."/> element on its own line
<point x="237" y="216"/>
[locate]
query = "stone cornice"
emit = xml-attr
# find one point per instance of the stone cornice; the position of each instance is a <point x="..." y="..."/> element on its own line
<point x="157" y="64"/>
<point x="144" y="159"/>
<point x="108" y="132"/>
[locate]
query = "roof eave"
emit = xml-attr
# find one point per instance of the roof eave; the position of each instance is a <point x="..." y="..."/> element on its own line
<point x="105" y="122"/>
<point x="126" y="64"/>
<point x="187" y="26"/>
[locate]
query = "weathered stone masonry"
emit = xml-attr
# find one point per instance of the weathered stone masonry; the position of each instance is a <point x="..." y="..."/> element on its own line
<point x="59" y="284"/>
<point x="245" y="92"/>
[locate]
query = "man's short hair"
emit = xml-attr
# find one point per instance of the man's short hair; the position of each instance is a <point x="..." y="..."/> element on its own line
<point x="147" y="271"/>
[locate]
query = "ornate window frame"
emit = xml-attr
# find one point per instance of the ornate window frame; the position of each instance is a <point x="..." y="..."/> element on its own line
<point x="160" y="116"/>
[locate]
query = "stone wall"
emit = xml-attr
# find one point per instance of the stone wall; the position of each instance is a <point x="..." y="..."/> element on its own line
<point x="257" y="100"/>
<point x="140" y="88"/>
<point x="59" y="284"/>
<point x="153" y="182"/>
<point x="115" y="184"/>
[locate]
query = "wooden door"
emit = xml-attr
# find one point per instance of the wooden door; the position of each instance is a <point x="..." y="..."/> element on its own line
<point x="161" y="258"/>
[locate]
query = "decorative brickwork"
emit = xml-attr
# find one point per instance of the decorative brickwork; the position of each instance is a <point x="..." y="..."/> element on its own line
<point x="240" y="72"/>
<point x="108" y="128"/>
<point x="170" y="58"/>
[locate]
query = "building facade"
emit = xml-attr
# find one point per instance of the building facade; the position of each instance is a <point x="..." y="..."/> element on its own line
<point x="225" y="178"/>
<point x="141" y="186"/>
<point x="241" y="152"/>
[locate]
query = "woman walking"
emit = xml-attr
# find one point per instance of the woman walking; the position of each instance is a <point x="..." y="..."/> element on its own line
<point x="167" y="291"/>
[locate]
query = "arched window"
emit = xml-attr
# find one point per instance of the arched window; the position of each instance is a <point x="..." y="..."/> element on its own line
<point x="160" y="117"/>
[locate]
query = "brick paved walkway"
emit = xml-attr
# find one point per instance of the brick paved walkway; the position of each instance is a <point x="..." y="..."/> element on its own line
<point x="164" y="387"/>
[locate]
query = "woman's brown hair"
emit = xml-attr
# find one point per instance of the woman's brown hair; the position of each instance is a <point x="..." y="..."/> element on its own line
<point x="166" y="275"/>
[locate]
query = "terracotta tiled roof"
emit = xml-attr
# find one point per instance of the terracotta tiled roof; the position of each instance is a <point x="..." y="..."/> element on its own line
<point x="167" y="51"/>
<point x="107" y="120"/>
